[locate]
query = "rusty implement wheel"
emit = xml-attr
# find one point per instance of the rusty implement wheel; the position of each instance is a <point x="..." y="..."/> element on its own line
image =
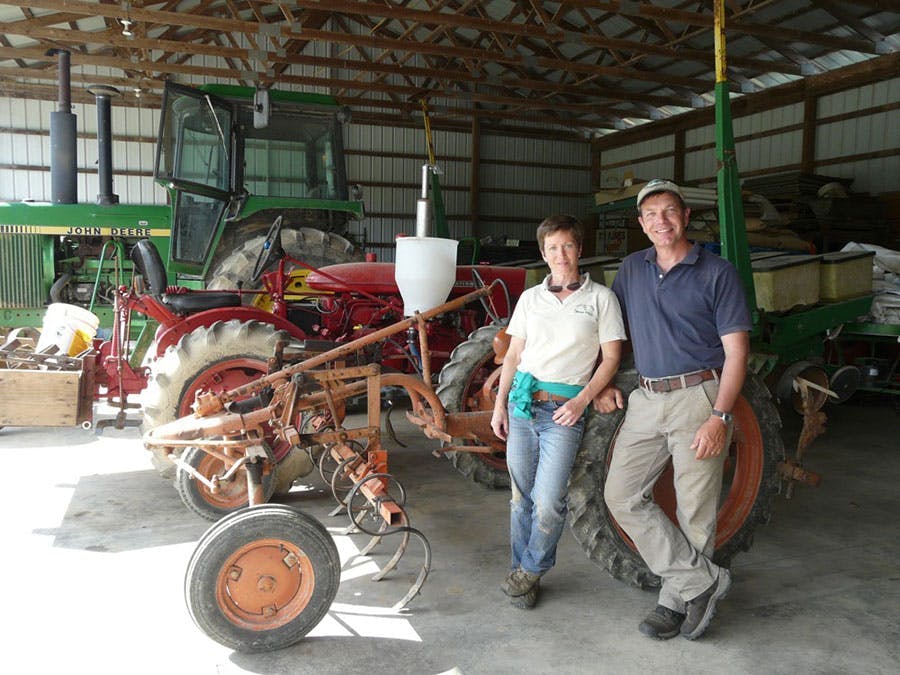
<point x="750" y="481"/>
<point x="262" y="578"/>
<point x="230" y="493"/>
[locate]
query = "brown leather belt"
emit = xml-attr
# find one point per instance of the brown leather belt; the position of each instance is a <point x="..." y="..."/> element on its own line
<point x="663" y="384"/>
<point x="541" y="395"/>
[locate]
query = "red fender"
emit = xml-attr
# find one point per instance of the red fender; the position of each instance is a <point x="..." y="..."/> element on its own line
<point x="170" y="336"/>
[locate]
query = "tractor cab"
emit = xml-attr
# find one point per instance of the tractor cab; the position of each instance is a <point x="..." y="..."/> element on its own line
<point x="231" y="157"/>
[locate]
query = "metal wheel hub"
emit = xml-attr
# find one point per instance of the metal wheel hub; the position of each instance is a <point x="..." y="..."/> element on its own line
<point x="265" y="584"/>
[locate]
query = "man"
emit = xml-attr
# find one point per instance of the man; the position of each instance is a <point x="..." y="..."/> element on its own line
<point x="689" y="326"/>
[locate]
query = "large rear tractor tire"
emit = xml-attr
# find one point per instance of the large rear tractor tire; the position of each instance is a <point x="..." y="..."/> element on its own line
<point x="216" y="358"/>
<point x="749" y="483"/>
<point x="262" y="578"/>
<point x="312" y="246"/>
<point x="461" y="389"/>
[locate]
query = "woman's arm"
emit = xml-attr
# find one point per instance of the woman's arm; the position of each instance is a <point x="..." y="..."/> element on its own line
<point x="500" y="418"/>
<point x="570" y="412"/>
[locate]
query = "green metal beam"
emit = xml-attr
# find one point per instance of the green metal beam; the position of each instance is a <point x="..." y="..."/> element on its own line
<point x="732" y="228"/>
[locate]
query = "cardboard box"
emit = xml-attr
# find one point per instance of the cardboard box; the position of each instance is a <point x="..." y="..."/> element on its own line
<point x="613" y="241"/>
<point x="845" y="274"/>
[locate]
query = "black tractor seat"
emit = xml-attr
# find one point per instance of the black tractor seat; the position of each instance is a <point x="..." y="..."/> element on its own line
<point x="149" y="265"/>
<point x="198" y="301"/>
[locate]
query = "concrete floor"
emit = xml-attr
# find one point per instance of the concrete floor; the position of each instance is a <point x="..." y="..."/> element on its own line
<point x="95" y="547"/>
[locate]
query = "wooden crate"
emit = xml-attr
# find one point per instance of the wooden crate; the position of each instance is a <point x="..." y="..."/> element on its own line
<point x="45" y="398"/>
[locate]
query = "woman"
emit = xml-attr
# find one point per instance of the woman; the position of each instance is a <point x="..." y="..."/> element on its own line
<point x="547" y="381"/>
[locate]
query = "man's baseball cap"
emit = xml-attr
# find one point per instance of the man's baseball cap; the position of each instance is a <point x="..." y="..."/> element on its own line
<point x="658" y="185"/>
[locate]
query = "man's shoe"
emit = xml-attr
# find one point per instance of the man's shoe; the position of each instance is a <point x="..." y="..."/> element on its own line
<point x="519" y="582"/>
<point x="702" y="609"/>
<point x="529" y="599"/>
<point x="662" y="623"/>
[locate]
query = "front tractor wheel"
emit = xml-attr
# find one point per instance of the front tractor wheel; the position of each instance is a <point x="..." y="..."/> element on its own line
<point x="750" y="481"/>
<point x="262" y="578"/>
<point x="219" y="357"/>
<point x="465" y="384"/>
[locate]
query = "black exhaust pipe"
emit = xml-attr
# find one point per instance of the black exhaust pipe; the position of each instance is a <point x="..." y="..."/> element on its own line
<point x="63" y="153"/>
<point x="103" y="95"/>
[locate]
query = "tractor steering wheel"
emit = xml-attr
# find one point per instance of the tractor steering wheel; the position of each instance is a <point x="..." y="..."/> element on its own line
<point x="271" y="250"/>
<point x="487" y="301"/>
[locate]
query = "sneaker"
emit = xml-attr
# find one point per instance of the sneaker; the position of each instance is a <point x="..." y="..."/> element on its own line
<point x="519" y="582"/>
<point x="662" y="623"/>
<point x="529" y="599"/>
<point x="702" y="609"/>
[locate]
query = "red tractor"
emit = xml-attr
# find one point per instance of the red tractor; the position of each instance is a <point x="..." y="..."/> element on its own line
<point x="215" y="341"/>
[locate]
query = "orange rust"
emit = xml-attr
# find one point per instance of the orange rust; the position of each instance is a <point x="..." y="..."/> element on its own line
<point x="375" y="491"/>
<point x="500" y="344"/>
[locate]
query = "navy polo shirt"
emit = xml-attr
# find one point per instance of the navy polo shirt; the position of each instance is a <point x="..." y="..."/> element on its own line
<point x="676" y="319"/>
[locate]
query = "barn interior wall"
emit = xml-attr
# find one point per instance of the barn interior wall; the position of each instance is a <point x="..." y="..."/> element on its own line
<point x="857" y="136"/>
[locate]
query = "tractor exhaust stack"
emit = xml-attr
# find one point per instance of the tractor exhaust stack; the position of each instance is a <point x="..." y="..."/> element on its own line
<point x="103" y="94"/>
<point x="63" y="153"/>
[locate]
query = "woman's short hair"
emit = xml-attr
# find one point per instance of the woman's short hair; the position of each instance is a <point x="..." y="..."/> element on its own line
<point x="555" y="224"/>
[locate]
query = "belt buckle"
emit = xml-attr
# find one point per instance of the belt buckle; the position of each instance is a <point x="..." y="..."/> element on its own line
<point x="656" y="386"/>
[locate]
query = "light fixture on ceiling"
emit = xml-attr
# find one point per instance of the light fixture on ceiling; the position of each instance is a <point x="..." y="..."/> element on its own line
<point x="126" y="21"/>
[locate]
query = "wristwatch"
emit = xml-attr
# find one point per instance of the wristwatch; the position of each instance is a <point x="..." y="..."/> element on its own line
<point x="728" y="418"/>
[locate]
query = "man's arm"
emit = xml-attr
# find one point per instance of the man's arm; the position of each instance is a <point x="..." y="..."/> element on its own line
<point x="709" y="440"/>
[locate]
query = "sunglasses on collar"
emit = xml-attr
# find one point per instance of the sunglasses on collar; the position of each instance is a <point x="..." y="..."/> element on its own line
<point x="574" y="286"/>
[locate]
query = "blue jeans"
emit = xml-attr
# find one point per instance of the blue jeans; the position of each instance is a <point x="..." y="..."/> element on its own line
<point x="539" y="454"/>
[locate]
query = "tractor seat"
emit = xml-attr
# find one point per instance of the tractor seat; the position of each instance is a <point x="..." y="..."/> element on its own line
<point x="191" y="303"/>
<point x="149" y="264"/>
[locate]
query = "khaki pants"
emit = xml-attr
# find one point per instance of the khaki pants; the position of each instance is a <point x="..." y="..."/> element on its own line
<point x="657" y="427"/>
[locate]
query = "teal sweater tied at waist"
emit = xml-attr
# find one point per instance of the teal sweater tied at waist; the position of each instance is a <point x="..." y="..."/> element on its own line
<point x="525" y="384"/>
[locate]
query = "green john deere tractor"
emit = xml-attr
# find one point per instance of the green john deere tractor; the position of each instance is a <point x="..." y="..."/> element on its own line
<point x="231" y="159"/>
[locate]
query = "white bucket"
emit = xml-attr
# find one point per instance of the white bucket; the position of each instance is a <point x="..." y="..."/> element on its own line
<point x="69" y="327"/>
<point x="425" y="271"/>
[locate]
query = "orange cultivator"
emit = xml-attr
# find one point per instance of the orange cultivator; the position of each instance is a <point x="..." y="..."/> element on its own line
<point x="264" y="576"/>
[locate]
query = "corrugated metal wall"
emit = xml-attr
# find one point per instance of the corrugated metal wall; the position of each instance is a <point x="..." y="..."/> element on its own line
<point x="876" y="132"/>
<point x="25" y="152"/>
<point x="622" y="163"/>
<point x="772" y="141"/>
<point x="524" y="180"/>
<point x="764" y="150"/>
<point x="521" y="181"/>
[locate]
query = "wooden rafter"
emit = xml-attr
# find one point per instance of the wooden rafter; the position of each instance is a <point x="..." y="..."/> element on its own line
<point x="586" y="64"/>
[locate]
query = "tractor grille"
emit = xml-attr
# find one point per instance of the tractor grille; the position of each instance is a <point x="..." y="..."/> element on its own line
<point x="20" y="271"/>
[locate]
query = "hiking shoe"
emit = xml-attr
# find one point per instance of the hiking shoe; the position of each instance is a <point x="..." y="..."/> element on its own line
<point x="662" y="623"/>
<point x="529" y="599"/>
<point x="519" y="582"/>
<point x="702" y="609"/>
